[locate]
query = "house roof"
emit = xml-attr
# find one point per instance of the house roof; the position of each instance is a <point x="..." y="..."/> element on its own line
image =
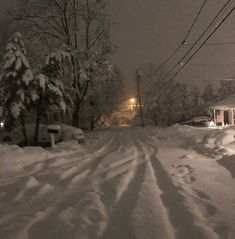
<point x="228" y="103"/>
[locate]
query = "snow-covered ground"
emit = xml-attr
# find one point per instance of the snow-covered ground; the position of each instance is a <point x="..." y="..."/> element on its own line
<point x="123" y="183"/>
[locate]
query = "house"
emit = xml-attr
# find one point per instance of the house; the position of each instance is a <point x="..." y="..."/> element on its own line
<point x="224" y="111"/>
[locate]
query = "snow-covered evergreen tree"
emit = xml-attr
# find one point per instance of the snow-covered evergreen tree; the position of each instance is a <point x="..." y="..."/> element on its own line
<point x="16" y="81"/>
<point x="49" y="91"/>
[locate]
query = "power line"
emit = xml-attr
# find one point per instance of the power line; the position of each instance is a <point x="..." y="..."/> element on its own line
<point x="168" y="59"/>
<point x="184" y="40"/>
<point x="213" y="79"/>
<point x="215" y="19"/>
<point x="226" y="79"/>
<point x="212" y="33"/>
<point x="213" y="64"/>
<point x="197" y="16"/>
<point x="213" y="43"/>
<point x="190" y="58"/>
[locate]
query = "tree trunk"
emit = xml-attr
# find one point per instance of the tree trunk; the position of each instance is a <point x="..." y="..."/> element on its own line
<point x="37" y="126"/>
<point x="9" y="124"/>
<point x="22" y="118"/>
<point x="92" y="123"/>
<point x="76" y="115"/>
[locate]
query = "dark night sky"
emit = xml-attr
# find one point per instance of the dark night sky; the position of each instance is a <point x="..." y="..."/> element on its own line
<point x="4" y="4"/>
<point x="148" y="31"/>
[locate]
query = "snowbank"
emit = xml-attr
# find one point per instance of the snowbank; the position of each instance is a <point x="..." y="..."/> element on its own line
<point x="67" y="133"/>
<point x="207" y="136"/>
<point x="220" y="137"/>
<point x="15" y="159"/>
<point x="229" y="163"/>
<point x="193" y="134"/>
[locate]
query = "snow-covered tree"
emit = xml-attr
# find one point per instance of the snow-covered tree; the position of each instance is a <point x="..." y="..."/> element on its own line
<point x="198" y="107"/>
<point x="7" y="27"/>
<point x="104" y="95"/>
<point x="152" y="83"/>
<point x="49" y="91"/>
<point x="173" y="104"/>
<point x="171" y="107"/>
<point x="80" y="25"/>
<point x="226" y="89"/>
<point x="208" y="96"/>
<point x="16" y="81"/>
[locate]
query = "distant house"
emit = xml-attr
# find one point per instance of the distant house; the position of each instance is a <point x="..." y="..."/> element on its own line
<point x="224" y="111"/>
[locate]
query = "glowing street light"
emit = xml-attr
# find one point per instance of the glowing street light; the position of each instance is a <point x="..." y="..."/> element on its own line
<point x="132" y="100"/>
<point x="132" y="104"/>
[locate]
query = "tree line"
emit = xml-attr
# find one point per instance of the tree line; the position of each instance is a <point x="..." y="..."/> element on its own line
<point x="180" y="101"/>
<point x="68" y="66"/>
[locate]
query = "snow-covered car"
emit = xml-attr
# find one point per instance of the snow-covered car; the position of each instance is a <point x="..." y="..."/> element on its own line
<point x="79" y="135"/>
<point x="70" y="132"/>
<point x="200" y="121"/>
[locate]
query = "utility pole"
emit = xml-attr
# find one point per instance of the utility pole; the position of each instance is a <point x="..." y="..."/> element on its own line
<point x="139" y="97"/>
<point x="75" y="5"/>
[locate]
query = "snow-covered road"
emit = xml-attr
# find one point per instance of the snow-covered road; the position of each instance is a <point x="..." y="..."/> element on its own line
<point x="122" y="184"/>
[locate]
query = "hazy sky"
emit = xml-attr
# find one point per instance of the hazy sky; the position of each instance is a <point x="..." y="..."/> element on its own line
<point x="147" y="31"/>
<point x="4" y="4"/>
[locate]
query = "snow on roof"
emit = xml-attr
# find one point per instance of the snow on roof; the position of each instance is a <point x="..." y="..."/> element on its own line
<point x="228" y="103"/>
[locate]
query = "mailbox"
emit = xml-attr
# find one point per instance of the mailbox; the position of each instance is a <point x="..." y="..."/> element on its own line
<point x="53" y="129"/>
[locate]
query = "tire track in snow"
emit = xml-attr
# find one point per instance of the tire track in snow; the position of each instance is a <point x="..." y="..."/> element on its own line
<point x="116" y="177"/>
<point x="121" y="165"/>
<point x="31" y="206"/>
<point x="75" y="195"/>
<point x="66" y="172"/>
<point x="121" y="189"/>
<point x="182" y="219"/>
<point x="149" y="217"/>
<point x="138" y="199"/>
<point x="108" y="194"/>
<point x="46" y="166"/>
<point x="120" y="225"/>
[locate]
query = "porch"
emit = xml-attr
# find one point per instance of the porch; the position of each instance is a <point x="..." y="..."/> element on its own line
<point x="224" y="111"/>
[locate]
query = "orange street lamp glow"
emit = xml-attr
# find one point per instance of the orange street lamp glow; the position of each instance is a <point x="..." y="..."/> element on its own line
<point x="132" y="100"/>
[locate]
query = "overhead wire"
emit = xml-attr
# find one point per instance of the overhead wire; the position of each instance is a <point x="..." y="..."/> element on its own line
<point x="213" y="43"/>
<point x="190" y="58"/>
<point x="213" y="22"/>
<point x="194" y="22"/>
<point x="184" y="40"/>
